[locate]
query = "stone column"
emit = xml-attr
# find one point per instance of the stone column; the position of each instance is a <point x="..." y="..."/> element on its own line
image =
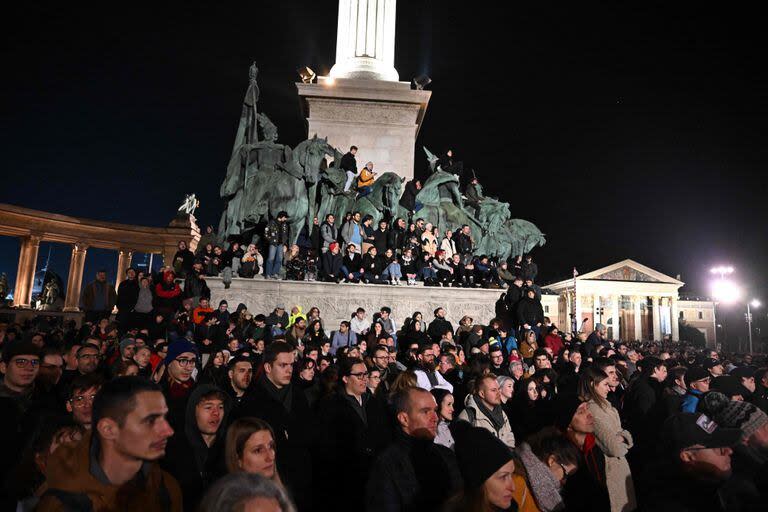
<point x="365" y="40"/>
<point x="124" y="257"/>
<point x="638" y="317"/>
<point x="577" y="300"/>
<point x="615" y="315"/>
<point x="75" y="278"/>
<point x="656" y="318"/>
<point x="25" y="275"/>
<point x="674" y="318"/>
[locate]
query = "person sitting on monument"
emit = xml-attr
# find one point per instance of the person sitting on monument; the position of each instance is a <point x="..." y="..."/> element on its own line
<point x="366" y="227"/>
<point x="183" y="260"/>
<point x="251" y="263"/>
<point x="373" y="267"/>
<point x="426" y="271"/>
<point x="365" y="180"/>
<point x="349" y="165"/>
<point x="408" y="266"/>
<point x="408" y="199"/>
<point x="295" y="266"/>
<point x="331" y="262"/>
<point x="474" y="195"/>
<point x="392" y="270"/>
<point x="428" y="239"/>
<point x="352" y="266"/>
<point x="443" y="268"/>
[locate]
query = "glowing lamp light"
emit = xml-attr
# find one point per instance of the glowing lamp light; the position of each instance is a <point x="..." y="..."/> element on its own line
<point x="725" y="291"/>
<point x="755" y="303"/>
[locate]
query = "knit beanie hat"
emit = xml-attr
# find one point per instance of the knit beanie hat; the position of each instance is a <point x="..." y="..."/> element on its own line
<point x="178" y="347"/>
<point x="125" y="343"/>
<point x="479" y="453"/>
<point x="733" y="414"/>
<point x="565" y="406"/>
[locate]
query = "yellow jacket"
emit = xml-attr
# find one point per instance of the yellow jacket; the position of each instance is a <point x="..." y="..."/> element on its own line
<point x="365" y="179"/>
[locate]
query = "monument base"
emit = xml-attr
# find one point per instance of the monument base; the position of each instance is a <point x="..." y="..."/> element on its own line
<point x="381" y="118"/>
<point x="338" y="302"/>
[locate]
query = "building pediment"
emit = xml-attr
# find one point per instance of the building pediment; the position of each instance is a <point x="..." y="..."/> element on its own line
<point x="627" y="273"/>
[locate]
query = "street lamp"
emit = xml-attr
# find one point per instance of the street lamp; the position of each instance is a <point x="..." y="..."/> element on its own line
<point x="722" y="270"/>
<point x="755" y="304"/>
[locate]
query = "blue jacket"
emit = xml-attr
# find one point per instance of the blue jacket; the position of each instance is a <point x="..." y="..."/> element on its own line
<point x="691" y="401"/>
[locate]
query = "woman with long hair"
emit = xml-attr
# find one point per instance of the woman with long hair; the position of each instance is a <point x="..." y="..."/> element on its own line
<point x="250" y="448"/>
<point x="525" y="409"/>
<point x="445" y="401"/>
<point x="315" y="334"/>
<point x="612" y="439"/>
<point x="214" y="371"/>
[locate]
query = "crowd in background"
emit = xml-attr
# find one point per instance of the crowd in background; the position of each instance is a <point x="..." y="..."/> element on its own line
<point x="178" y="404"/>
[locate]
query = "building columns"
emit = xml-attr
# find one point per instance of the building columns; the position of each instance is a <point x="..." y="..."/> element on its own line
<point x="615" y="317"/>
<point x="25" y="275"/>
<point x="656" y="318"/>
<point x="75" y="278"/>
<point x="124" y="258"/>
<point x="674" y="319"/>
<point x="638" y="317"/>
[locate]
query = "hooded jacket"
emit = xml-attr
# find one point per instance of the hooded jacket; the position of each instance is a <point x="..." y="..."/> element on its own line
<point x="76" y="482"/>
<point x="167" y="294"/>
<point x="477" y="418"/>
<point x="195" y="465"/>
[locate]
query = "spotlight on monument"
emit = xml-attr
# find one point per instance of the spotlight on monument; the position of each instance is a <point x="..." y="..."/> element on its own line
<point x="755" y="303"/>
<point x="725" y="291"/>
<point x="421" y="82"/>
<point x="307" y="75"/>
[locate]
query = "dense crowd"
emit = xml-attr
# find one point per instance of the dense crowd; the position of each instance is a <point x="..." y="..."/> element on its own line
<point x="175" y="404"/>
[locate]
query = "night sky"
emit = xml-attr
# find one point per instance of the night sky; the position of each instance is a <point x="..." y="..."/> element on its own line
<point x="622" y="132"/>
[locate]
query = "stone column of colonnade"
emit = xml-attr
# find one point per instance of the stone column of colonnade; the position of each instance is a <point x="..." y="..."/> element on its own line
<point x="615" y="299"/>
<point x="637" y="303"/>
<point x="25" y="275"/>
<point x="656" y="317"/>
<point x="123" y="264"/>
<point x="674" y="319"/>
<point x="75" y="278"/>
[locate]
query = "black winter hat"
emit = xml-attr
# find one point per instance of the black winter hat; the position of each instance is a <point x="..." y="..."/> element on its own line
<point x="19" y="348"/>
<point x="728" y="385"/>
<point x="478" y="453"/>
<point x="565" y="407"/>
<point x="695" y="373"/>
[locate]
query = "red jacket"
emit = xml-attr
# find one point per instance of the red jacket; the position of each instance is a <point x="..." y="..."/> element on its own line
<point x="555" y="342"/>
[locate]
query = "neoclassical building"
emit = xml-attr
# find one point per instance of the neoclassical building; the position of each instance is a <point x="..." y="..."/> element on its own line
<point x="635" y="302"/>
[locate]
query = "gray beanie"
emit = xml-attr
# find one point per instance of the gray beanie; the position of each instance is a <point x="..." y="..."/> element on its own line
<point x="733" y="414"/>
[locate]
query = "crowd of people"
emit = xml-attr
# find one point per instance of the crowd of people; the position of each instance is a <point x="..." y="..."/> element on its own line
<point x="177" y="404"/>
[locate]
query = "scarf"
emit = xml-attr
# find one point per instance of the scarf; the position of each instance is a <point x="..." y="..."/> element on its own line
<point x="495" y="415"/>
<point x="546" y="490"/>
<point x="590" y="457"/>
<point x="282" y="395"/>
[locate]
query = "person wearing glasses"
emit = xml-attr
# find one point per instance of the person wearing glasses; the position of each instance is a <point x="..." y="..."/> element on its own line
<point x="548" y="459"/>
<point x="20" y="364"/>
<point x="353" y="430"/>
<point x="175" y="379"/>
<point x="81" y="395"/>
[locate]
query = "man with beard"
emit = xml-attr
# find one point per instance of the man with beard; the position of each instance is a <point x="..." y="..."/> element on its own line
<point x="413" y="473"/>
<point x="695" y="462"/>
<point x="284" y="406"/>
<point x="240" y="374"/>
<point x="388" y="372"/>
<point x="87" y="358"/>
<point x="114" y="466"/>
<point x="426" y="375"/>
<point x="483" y="409"/>
<point x="195" y="455"/>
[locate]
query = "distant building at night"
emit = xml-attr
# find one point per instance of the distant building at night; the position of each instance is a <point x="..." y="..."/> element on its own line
<point x="635" y="302"/>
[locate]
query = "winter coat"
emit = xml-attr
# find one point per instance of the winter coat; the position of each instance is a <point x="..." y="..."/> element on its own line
<point x="195" y="286"/>
<point x="349" y="441"/>
<point x="127" y="295"/>
<point x="183" y="261"/>
<point x="167" y="296"/>
<point x="529" y="311"/>
<point x="330" y="264"/>
<point x="277" y="233"/>
<point x="475" y="416"/>
<point x="615" y="442"/>
<point x="380" y="241"/>
<point x="411" y="475"/>
<point x="291" y="421"/>
<point x="395" y="238"/>
<point x="195" y="465"/>
<point x="73" y="486"/>
<point x="109" y="298"/>
<point x="408" y="199"/>
<point x="329" y="233"/>
<point x="463" y="242"/>
<point x="529" y="270"/>
<point x="366" y="178"/>
<point x="438" y="327"/>
<point x="348" y="163"/>
<point x="274" y="319"/>
<point x="348" y="231"/>
<point x="444" y="436"/>
<point x="448" y="246"/>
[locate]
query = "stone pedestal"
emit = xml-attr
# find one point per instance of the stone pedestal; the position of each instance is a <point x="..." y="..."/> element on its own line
<point x="191" y="236"/>
<point x="382" y="118"/>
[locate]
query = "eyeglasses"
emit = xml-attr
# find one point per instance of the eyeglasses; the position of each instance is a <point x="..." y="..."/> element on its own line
<point x="183" y="361"/>
<point x="720" y="449"/>
<point x="360" y="375"/>
<point x="82" y="400"/>
<point x="565" y="472"/>
<point x="21" y="362"/>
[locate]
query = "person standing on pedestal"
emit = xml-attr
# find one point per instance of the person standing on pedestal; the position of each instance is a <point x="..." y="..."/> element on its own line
<point x="349" y="165"/>
<point x="127" y="296"/>
<point x="276" y="234"/>
<point x="99" y="297"/>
